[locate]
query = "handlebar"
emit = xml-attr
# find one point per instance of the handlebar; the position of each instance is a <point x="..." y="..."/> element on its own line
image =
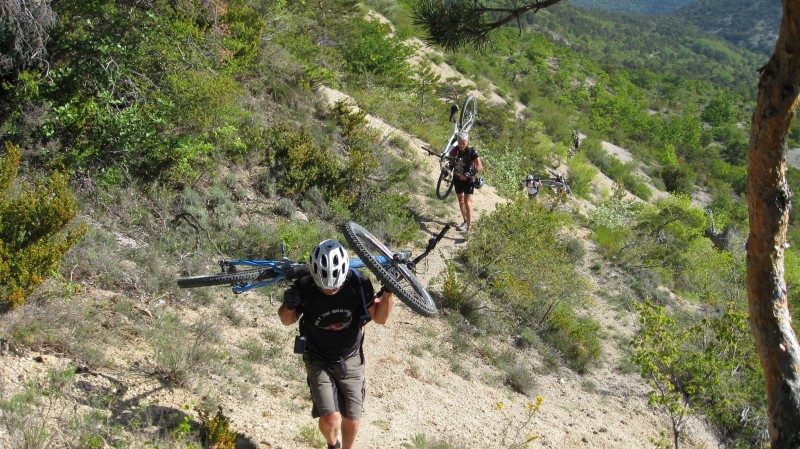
<point x="431" y="244"/>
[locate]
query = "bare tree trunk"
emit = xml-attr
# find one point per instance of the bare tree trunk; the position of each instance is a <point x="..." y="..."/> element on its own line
<point x="768" y="204"/>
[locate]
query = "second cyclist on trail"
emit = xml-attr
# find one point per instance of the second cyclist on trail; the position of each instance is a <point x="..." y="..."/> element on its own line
<point x="466" y="165"/>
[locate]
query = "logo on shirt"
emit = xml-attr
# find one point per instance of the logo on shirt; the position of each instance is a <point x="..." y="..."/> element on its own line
<point x="334" y="320"/>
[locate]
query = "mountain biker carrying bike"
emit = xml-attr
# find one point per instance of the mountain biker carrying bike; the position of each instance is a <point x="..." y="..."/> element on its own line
<point x="467" y="164"/>
<point x="532" y="184"/>
<point x="333" y="304"/>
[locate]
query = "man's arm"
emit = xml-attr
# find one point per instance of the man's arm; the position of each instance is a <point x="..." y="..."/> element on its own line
<point x="380" y="310"/>
<point x="478" y="165"/>
<point x="287" y="312"/>
<point x="288" y="316"/>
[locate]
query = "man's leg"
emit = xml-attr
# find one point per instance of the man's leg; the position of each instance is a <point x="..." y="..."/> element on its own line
<point x="462" y="206"/>
<point x="329" y="426"/>
<point x="467" y="209"/>
<point x="349" y="432"/>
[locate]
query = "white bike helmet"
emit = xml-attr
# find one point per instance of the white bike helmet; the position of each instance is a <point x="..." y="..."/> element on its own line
<point x="529" y="177"/>
<point x="329" y="264"/>
<point x="462" y="137"/>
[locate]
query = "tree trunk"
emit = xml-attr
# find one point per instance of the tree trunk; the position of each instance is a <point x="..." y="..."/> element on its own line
<point x="768" y="204"/>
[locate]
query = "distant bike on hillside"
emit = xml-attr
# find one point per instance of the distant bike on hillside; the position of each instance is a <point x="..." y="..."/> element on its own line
<point x="466" y="118"/>
<point x="559" y="184"/>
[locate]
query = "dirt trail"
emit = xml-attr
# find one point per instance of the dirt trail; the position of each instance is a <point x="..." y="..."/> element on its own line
<point x="412" y="382"/>
<point x="412" y="385"/>
<point x="410" y="395"/>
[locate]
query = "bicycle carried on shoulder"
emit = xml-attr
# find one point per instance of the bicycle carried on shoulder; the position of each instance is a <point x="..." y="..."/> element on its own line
<point x="466" y="118"/>
<point x="394" y="269"/>
<point x="558" y="183"/>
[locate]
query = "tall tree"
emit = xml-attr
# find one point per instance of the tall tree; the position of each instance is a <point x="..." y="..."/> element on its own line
<point x="455" y="23"/>
<point x="768" y="200"/>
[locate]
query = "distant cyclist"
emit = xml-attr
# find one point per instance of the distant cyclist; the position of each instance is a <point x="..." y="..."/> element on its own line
<point x="467" y="164"/>
<point x="333" y="304"/>
<point x="532" y="184"/>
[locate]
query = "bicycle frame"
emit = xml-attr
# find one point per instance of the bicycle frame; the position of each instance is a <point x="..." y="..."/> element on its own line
<point x="444" y="155"/>
<point x="290" y="269"/>
<point x="393" y="268"/>
<point x="284" y="269"/>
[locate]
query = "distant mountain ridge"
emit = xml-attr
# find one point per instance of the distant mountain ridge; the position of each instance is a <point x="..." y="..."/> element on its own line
<point x="752" y="25"/>
<point x="653" y="7"/>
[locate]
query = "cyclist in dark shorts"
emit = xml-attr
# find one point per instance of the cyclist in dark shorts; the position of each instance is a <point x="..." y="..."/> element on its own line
<point x="333" y="304"/>
<point x="532" y="184"/>
<point x="466" y="165"/>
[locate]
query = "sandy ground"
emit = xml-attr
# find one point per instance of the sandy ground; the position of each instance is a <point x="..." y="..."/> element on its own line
<point x="412" y="388"/>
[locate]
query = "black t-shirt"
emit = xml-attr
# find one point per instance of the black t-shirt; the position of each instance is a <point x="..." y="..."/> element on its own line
<point x="464" y="160"/>
<point x="332" y="323"/>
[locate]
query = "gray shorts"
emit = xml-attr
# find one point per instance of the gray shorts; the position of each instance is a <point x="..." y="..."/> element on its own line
<point x="336" y="387"/>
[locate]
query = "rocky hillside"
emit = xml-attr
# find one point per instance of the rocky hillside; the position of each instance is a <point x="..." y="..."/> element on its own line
<point x="241" y="360"/>
<point x="415" y="386"/>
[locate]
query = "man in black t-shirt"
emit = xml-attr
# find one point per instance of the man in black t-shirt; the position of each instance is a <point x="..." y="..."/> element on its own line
<point x="466" y="165"/>
<point x="332" y="304"/>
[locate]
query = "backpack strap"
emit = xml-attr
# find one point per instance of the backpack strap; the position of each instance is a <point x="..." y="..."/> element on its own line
<point x="366" y="316"/>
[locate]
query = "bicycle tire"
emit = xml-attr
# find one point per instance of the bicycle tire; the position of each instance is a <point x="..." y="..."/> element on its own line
<point x="240" y="277"/>
<point x="468" y="113"/>
<point x="444" y="185"/>
<point x="403" y="283"/>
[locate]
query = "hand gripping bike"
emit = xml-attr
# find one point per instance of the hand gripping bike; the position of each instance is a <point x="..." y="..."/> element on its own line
<point x="393" y="269"/>
<point x="465" y="121"/>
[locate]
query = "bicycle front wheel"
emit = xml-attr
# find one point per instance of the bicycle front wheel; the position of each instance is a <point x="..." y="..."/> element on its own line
<point x="445" y="184"/>
<point x="240" y="277"/>
<point x="397" y="276"/>
<point x="468" y="113"/>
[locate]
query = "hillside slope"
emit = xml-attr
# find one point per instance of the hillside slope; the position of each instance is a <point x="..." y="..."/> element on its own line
<point x="413" y="387"/>
<point x="635" y="6"/>
<point x="418" y="383"/>
<point x="751" y="25"/>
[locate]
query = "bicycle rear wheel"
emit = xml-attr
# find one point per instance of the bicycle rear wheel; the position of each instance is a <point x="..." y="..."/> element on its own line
<point x="397" y="276"/>
<point x="240" y="277"/>
<point x="445" y="184"/>
<point x="468" y="113"/>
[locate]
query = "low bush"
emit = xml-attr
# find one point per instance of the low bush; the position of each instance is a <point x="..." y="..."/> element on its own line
<point x="35" y="229"/>
<point x="183" y="352"/>
<point x="523" y="261"/>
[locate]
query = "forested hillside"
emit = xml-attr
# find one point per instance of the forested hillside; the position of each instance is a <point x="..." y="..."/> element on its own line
<point x="145" y="140"/>
<point x="751" y="25"/>
<point x="635" y="6"/>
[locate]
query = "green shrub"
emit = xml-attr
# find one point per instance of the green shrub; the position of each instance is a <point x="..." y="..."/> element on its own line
<point x="581" y="175"/>
<point x="299" y="163"/>
<point x="183" y="352"/>
<point x="454" y="293"/>
<point x="34" y="230"/>
<point x="215" y="431"/>
<point x="678" y="178"/>
<point x="577" y="337"/>
<point x="518" y="252"/>
<point x="638" y="185"/>
<point x="421" y="441"/>
<point x="610" y="240"/>
<point x="369" y="49"/>
<point x="285" y="207"/>
<point x="575" y="250"/>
